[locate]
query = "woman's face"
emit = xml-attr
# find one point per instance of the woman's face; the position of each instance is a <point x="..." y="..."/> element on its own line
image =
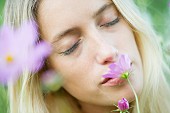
<point x="86" y="36"/>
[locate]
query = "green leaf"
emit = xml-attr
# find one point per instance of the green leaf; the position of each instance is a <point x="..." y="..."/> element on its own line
<point x="116" y="110"/>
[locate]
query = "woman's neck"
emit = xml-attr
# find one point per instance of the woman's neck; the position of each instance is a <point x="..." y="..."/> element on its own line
<point x="90" y="108"/>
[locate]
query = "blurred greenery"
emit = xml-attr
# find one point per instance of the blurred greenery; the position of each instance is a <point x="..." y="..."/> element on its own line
<point x="159" y="11"/>
<point x="2" y="2"/>
<point x="3" y="93"/>
<point x="3" y="100"/>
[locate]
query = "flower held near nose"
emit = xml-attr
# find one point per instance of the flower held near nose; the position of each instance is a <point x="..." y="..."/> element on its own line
<point x="121" y="68"/>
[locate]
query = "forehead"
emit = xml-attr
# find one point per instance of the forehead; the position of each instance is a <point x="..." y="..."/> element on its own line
<point x="70" y="5"/>
<point x="60" y="14"/>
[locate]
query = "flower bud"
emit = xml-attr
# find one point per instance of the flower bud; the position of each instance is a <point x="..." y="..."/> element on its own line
<point x="123" y="104"/>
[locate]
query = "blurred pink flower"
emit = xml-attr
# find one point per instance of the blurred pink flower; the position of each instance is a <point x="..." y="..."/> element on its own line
<point x="20" y="50"/>
<point x="121" y="68"/>
<point x="51" y="81"/>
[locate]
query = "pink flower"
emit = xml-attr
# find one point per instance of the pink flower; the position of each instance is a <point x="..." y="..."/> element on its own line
<point x="123" y="104"/>
<point x="20" y="50"/>
<point x="121" y="68"/>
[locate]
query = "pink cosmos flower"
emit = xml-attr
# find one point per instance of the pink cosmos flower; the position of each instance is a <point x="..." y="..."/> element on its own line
<point x="20" y="50"/>
<point x="123" y="104"/>
<point x="121" y="68"/>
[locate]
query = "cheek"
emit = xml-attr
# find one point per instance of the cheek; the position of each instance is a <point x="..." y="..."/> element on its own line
<point x="127" y="44"/>
<point x="73" y="70"/>
<point x="78" y="84"/>
<point x="69" y="72"/>
<point x="77" y="77"/>
<point x="137" y="76"/>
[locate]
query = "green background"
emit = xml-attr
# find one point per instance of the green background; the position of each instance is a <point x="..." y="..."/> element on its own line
<point x="159" y="11"/>
<point x="3" y="93"/>
<point x="2" y="2"/>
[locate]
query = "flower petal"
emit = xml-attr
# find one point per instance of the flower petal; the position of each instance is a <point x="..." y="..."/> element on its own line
<point x="108" y="76"/>
<point x="115" y="69"/>
<point x="125" y="62"/>
<point x="9" y="74"/>
<point x="41" y="51"/>
<point x="27" y="33"/>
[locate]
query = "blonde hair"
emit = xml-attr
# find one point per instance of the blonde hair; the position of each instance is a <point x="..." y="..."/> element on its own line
<point x="26" y="96"/>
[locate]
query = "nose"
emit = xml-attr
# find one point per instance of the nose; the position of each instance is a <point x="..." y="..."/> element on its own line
<point x="104" y="50"/>
<point x="106" y="54"/>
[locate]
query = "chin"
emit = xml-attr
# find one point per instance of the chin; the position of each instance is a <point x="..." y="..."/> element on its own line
<point x="113" y="94"/>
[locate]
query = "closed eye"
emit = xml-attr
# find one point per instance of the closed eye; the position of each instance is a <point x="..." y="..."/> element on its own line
<point x="109" y="24"/>
<point x="70" y="50"/>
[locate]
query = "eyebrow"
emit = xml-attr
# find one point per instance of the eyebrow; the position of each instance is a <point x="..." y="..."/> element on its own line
<point x="98" y="12"/>
<point x="102" y="9"/>
<point x="62" y="34"/>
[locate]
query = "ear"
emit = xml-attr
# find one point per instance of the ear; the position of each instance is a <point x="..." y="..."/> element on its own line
<point x="51" y="81"/>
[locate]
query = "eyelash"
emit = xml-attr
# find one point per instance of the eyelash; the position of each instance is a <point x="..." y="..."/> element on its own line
<point x="111" y="23"/>
<point x="70" y="50"/>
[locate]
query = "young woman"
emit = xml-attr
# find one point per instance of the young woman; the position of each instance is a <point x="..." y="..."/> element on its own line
<point x="87" y="36"/>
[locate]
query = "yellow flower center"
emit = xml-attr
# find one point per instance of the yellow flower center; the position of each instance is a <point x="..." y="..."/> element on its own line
<point x="9" y="59"/>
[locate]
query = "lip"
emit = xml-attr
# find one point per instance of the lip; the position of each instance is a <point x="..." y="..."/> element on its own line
<point x="112" y="82"/>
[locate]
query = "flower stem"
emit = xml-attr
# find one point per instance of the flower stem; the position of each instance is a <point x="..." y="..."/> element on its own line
<point x="136" y="97"/>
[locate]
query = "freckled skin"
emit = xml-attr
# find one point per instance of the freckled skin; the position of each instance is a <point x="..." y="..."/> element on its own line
<point x="82" y="70"/>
